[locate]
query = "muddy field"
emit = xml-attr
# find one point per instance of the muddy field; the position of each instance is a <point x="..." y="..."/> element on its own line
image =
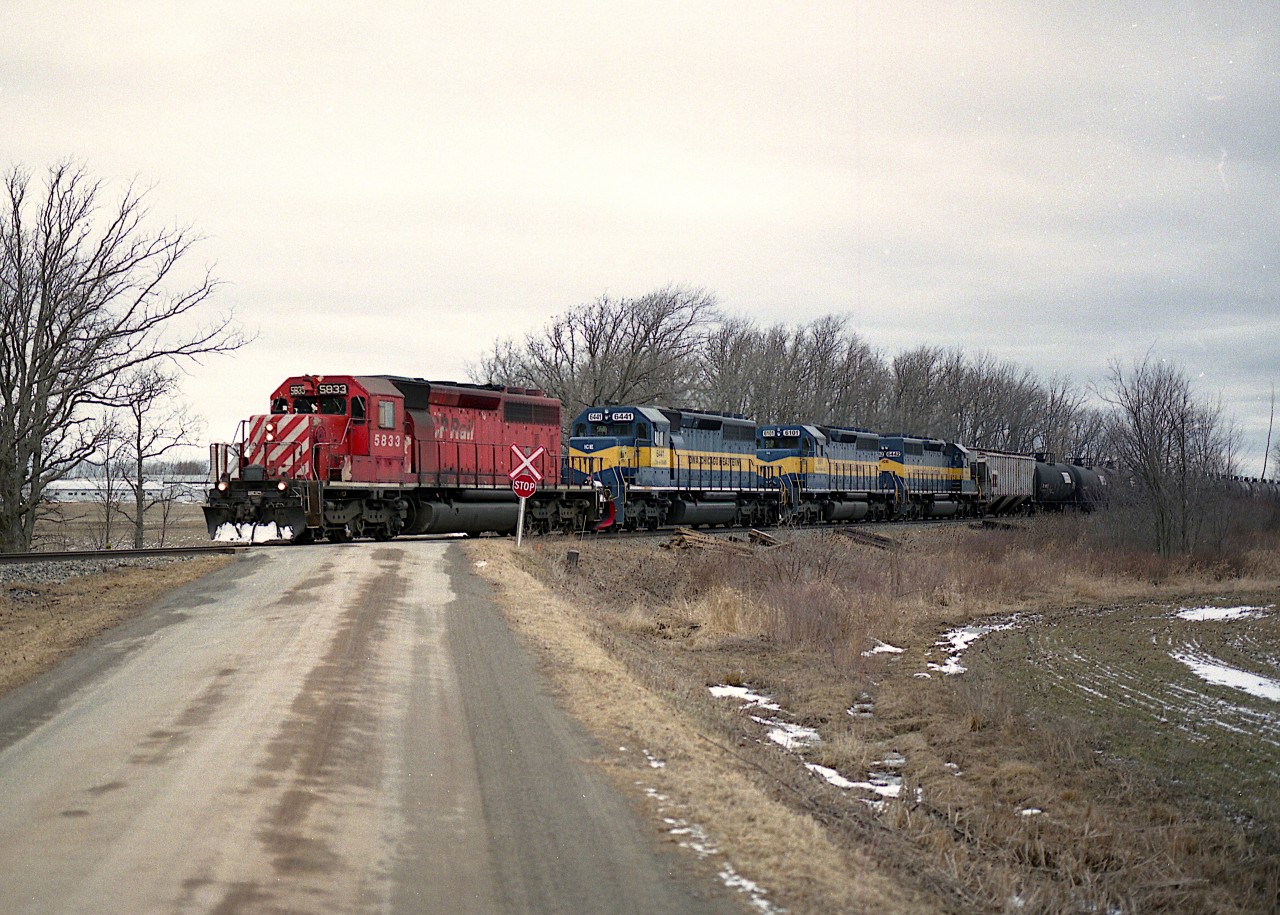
<point x="85" y="526"/>
<point x="995" y="722"/>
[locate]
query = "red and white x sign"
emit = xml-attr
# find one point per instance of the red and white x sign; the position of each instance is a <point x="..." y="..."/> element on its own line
<point x="525" y="462"/>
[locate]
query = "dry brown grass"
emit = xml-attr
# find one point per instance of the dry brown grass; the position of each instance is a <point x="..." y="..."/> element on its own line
<point x="705" y="780"/>
<point x="1119" y="832"/>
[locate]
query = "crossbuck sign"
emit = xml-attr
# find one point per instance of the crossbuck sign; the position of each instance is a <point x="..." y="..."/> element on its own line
<point x="524" y="463"/>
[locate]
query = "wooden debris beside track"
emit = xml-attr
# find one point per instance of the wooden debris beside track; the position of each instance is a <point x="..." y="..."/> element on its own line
<point x="686" y="538"/>
<point x="879" y="541"/>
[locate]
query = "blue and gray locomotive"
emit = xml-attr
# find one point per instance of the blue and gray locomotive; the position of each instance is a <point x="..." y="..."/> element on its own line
<point x="663" y="466"/>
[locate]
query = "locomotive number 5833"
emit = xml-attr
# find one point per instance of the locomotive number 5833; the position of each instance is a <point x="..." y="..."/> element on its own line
<point x="386" y="440"/>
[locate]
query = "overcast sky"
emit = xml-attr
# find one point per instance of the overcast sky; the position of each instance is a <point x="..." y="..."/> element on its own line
<point x="386" y="187"/>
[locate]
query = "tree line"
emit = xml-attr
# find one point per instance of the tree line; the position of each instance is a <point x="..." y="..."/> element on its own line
<point x="676" y="347"/>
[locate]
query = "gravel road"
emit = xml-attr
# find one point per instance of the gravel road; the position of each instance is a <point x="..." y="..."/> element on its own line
<point x="317" y="729"/>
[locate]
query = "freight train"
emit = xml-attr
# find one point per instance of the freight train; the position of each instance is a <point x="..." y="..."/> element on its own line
<point x="344" y="456"/>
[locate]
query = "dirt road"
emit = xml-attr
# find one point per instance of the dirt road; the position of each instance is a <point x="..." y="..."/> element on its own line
<point x="318" y="729"/>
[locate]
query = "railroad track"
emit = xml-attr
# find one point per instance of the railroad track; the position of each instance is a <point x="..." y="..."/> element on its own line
<point x="74" y="555"/>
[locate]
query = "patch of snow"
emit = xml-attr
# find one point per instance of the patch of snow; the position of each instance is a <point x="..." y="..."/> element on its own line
<point x="654" y="762"/>
<point x="695" y="839"/>
<point x="787" y="735"/>
<point x="252" y="533"/>
<point x="863" y="708"/>
<point x="882" y="648"/>
<point x="691" y="836"/>
<point x="881" y="783"/>
<point x="957" y="640"/>
<point x="1214" y="671"/>
<point x="735" y="881"/>
<point x="481" y="563"/>
<point x="1030" y="811"/>
<point x="752" y="700"/>
<point x="1213" y="614"/>
<point x="831" y="775"/>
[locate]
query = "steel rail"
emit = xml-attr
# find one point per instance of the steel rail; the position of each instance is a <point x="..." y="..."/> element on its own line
<point x="73" y="555"/>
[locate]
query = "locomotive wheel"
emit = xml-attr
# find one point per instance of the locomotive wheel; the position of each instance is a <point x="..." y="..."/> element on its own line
<point x="338" y="535"/>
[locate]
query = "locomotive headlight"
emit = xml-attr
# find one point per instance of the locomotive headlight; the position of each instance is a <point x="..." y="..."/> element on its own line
<point x="222" y="486"/>
<point x="282" y="485"/>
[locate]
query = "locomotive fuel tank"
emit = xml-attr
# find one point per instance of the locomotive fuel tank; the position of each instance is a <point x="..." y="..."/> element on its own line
<point x="458" y="517"/>
<point x="850" y="510"/>
<point x="703" y="511"/>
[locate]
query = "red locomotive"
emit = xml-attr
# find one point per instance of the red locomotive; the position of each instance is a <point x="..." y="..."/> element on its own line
<point x="343" y="456"/>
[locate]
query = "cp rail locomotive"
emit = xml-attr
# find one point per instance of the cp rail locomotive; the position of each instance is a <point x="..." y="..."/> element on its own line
<point x="344" y="456"/>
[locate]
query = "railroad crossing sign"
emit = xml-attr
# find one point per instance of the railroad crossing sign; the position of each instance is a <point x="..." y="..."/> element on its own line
<point x="524" y="464"/>
<point x="524" y="481"/>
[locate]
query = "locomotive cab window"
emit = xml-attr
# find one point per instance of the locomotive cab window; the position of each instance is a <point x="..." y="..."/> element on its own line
<point x="333" y="406"/>
<point x="357" y="409"/>
<point x="280" y="405"/>
<point x="386" y="414"/>
<point x="304" y="405"/>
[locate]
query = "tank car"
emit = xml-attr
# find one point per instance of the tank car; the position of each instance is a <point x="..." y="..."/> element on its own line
<point x="1068" y="485"/>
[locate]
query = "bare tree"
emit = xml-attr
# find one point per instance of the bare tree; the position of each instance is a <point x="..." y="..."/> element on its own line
<point x="154" y="424"/>
<point x="728" y="367"/>
<point x="611" y="351"/>
<point x="1175" y="448"/>
<point x="109" y="473"/>
<point x="87" y="293"/>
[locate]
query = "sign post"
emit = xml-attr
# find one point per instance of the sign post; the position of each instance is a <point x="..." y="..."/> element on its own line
<point x="524" y="482"/>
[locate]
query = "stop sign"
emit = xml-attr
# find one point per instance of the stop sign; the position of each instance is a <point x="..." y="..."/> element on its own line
<point x="523" y="485"/>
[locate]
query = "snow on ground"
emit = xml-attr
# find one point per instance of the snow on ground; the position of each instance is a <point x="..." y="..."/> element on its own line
<point x="882" y="780"/>
<point x="752" y="700"/>
<point x="1214" y="614"/>
<point x="882" y="648"/>
<point x="957" y="640"/>
<point x="1211" y="670"/>
<point x="695" y="838"/>
<point x="252" y="533"/>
